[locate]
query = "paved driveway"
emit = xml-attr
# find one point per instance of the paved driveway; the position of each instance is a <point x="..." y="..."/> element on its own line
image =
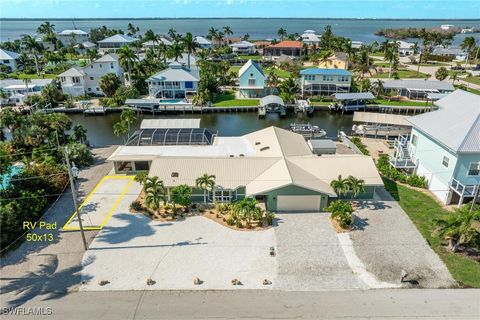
<point x="310" y="256"/>
<point x="132" y="248"/>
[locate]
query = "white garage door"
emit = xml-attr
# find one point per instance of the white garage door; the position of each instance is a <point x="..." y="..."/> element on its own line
<point x="298" y="203"/>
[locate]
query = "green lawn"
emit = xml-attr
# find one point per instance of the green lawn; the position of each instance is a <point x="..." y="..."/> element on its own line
<point x="228" y="100"/>
<point x="32" y="76"/>
<point x="253" y="57"/>
<point x="475" y="91"/>
<point x="234" y="69"/>
<point x="281" y="73"/>
<point x="472" y="79"/>
<point x="377" y="54"/>
<point x="400" y="103"/>
<point x="422" y="210"/>
<point x="382" y="64"/>
<point x="403" y="73"/>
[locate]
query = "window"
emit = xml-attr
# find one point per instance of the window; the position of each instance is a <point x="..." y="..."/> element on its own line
<point x="100" y="65"/>
<point x="111" y="65"/>
<point x="445" y="161"/>
<point x="474" y="169"/>
<point x="91" y="78"/>
<point x="414" y="139"/>
<point x="223" y="195"/>
<point x="90" y="89"/>
<point x="97" y="89"/>
<point x="142" y="165"/>
<point x="251" y="82"/>
<point x="124" y="166"/>
<point x="310" y="77"/>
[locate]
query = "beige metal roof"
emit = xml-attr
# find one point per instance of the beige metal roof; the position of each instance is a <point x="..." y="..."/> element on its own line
<point x="169" y="123"/>
<point x="380" y="118"/>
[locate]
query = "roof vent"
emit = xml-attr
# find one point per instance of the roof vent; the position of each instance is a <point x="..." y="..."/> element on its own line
<point x="264" y="148"/>
<point x="174" y="174"/>
<point x="241" y="155"/>
<point x="231" y="156"/>
<point x="257" y="143"/>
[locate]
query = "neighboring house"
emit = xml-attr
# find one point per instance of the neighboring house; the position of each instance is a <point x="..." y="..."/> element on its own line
<point x="154" y="44"/>
<point x="72" y="37"/>
<point x="17" y="90"/>
<point x="416" y="89"/>
<point x="273" y="165"/>
<point x="405" y="48"/>
<point x="339" y="60"/>
<point x="114" y="42"/>
<point x="47" y="45"/>
<point x="84" y="46"/>
<point x="455" y="52"/>
<point x="288" y="47"/>
<point x="175" y="82"/>
<point x="78" y="81"/>
<point x="310" y="37"/>
<point x="356" y="44"/>
<point x="243" y="47"/>
<point x="445" y="147"/>
<point x="9" y="59"/>
<point x="203" y="43"/>
<point x="251" y="80"/>
<point x="316" y="81"/>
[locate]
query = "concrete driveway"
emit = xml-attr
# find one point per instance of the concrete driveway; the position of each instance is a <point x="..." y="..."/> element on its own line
<point x="132" y="248"/>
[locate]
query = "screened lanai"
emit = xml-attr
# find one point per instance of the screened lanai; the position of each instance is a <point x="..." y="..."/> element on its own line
<point x="171" y="136"/>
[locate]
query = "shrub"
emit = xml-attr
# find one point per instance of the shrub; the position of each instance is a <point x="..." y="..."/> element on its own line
<point x="80" y="154"/>
<point x="239" y="224"/>
<point x="136" y="205"/>
<point x="342" y="212"/>
<point x="417" y="181"/>
<point x="358" y="142"/>
<point x="230" y="220"/>
<point x="414" y="180"/>
<point x="269" y="217"/>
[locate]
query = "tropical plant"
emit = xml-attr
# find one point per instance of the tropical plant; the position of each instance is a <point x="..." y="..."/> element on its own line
<point x="127" y="58"/>
<point x="128" y="117"/>
<point x="189" y="44"/>
<point x="141" y="178"/>
<point x="247" y="209"/>
<point x="441" y="73"/>
<point x="79" y="133"/>
<point x="460" y="228"/>
<point x="206" y="182"/>
<point x="377" y="87"/>
<point x="340" y="186"/>
<point x="227" y="31"/>
<point x="342" y="212"/>
<point x="355" y="186"/>
<point x="289" y="89"/>
<point x="109" y="83"/>
<point x="282" y="33"/>
<point x="120" y="129"/>
<point x="175" y="51"/>
<point x="33" y="47"/>
<point x="181" y="195"/>
<point x="155" y="193"/>
<point x="468" y="44"/>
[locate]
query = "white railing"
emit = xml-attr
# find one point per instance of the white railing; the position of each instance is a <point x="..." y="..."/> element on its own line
<point x="462" y="189"/>
<point x="402" y="163"/>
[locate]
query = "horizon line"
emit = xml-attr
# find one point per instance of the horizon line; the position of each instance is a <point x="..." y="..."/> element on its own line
<point x="226" y="18"/>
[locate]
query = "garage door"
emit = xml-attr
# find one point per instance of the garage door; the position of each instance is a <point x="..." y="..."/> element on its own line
<point x="298" y="203"/>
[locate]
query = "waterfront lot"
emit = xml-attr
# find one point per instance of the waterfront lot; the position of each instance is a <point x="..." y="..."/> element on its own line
<point x="132" y="248"/>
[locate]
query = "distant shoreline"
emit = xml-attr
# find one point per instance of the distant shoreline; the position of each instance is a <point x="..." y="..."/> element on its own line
<point x="230" y="18"/>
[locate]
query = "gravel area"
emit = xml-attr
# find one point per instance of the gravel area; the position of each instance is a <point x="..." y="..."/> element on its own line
<point x="52" y="268"/>
<point x="310" y="256"/>
<point x="387" y="242"/>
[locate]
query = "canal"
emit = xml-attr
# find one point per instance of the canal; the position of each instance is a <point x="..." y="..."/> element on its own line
<point x="100" y="132"/>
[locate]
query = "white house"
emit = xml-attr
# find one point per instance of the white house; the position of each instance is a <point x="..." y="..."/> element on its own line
<point x="154" y="44"/>
<point x="456" y="52"/>
<point x="243" y="47"/>
<point x="78" y="81"/>
<point x="82" y="47"/>
<point x="17" y="90"/>
<point x="72" y="37"/>
<point x="309" y="37"/>
<point x="114" y="42"/>
<point x="203" y="42"/>
<point x="175" y="82"/>
<point x="9" y="58"/>
<point x="317" y="81"/>
<point x="405" y="48"/>
<point x="251" y="80"/>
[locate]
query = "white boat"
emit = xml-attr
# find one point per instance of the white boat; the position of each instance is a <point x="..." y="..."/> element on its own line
<point x="303" y="106"/>
<point x="307" y="130"/>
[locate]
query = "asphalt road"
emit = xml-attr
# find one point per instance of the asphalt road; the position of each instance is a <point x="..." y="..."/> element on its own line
<point x="258" y="304"/>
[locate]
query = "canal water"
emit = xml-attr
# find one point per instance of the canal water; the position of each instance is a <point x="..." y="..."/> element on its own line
<point x="100" y="128"/>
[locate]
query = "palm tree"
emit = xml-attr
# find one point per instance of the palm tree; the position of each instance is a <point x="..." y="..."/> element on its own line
<point x="132" y="30"/>
<point x="460" y="227"/>
<point x="155" y="193"/>
<point x="26" y="81"/>
<point x="128" y="117"/>
<point x="127" y="58"/>
<point x="282" y="33"/>
<point x="189" y="44"/>
<point x="206" y="183"/>
<point x="468" y="44"/>
<point x="363" y="63"/>
<point x="272" y="79"/>
<point x="227" y="31"/>
<point x="454" y="78"/>
<point x="33" y="48"/>
<point x="175" y="51"/>
<point x="377" y="87"/>
<point x="46" y="28"/>
<point x="120" y="129"/>
<point x="391" y="55"/>
<point x="324" y="56"/>
<point x="340" y="186"/>
<point x="109" y="83"/>
<point x="92" y="54"/>
<point x="172" y="33"/>
<point x="289" y="88"/>
<point x="212" y="34"/>
<point x="356" y="186"/>
<point x="79" y="133"/>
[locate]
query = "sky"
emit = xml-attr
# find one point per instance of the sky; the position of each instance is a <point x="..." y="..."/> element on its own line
<point x="396" y="9"/>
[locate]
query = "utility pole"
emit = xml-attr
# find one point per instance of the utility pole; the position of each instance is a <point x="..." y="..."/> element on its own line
<point x="74" y="196"/>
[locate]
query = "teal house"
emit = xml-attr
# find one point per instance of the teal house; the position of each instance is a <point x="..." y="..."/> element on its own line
<point x="444" y="146"/>
<point x="251" y="80"/>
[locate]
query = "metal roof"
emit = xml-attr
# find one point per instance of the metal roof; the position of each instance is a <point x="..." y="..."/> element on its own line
<point x="202" y="40"/>
<point x="322" y="143"/>
<point x="242" y="44"/>
<point x="8" y="55"/>
<point x="117" y="38"/>
<point x="354" y="96"/>
<point x="418" y="84"/>
<point x="456" y="124"/>
<point x="109" y="57"/>
<point x="247" y="65"/>
<point x="380" y="118"/>
<point x="70" y="32"/>
<point x="174" y="73"/>
<point x="74" y="71"/>
<point x="271" y="99"/>
<point x="329" y="72"/>
<point x="169" y="123"/>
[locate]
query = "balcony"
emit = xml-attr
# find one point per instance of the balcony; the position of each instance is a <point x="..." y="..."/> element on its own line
<point x="465" y="191"/>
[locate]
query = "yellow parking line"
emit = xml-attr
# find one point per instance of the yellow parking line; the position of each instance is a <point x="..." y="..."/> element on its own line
<point x="131" y="178"/>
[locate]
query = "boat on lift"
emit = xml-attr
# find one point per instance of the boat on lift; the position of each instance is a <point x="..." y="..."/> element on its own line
<point x="304" y="106"/>
<point x="308" y="130"/>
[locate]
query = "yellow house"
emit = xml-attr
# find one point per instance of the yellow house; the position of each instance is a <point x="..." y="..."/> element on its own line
<point x="337" y="61"/>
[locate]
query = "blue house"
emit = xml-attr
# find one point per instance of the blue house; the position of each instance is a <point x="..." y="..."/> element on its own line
<point x="175" y="82"/>
<point x="317" y="81"/>
<point x="251" y="80"/>
<point x="445" y="148"/>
